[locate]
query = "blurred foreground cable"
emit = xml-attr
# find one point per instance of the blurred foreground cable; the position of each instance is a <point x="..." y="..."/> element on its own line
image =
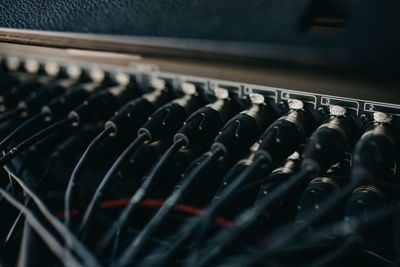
<point x="134" y="248"/>
<point x="73" y="179"/>
<point x="69" y="238"/>
<point x="63" y="254"/>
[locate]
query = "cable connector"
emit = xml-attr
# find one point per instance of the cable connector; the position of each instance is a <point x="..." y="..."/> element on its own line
<point x="203" y="125"/>
<point x="170" y="117"/>
<point x="375" y="150"/>
<point x="101" y="105"/>
<point x="60" y="106"/>
<point x="243" y="130"/>
<point x="286" y="134"/>
<point x="317" y="191"/>
<point x="34" y="102"/>
<point x="134" y="113"/>
<point x="290" y="165"/>
<point x="363" y="202"/>
<point x="13" y="95"/>
<point x="279" y="175"/>
<point x="329" y="142"/>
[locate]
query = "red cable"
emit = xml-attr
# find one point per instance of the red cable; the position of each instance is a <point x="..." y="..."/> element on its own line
<point x="152" y="202"/>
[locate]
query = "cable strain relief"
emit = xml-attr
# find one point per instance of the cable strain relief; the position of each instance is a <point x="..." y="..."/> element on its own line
<point x="113" y="126"/>
<point x="46" y="110"/>
<point x="22" y="105"/>
<point x="144" y="131"/>
<point x="180" y="136"/>
<point x="219" y="146"/>
<point x="74" y="115"/>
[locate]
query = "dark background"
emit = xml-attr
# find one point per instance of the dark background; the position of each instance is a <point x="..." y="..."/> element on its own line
<point x="366" y="28"/>
<point x="243" y="20"/>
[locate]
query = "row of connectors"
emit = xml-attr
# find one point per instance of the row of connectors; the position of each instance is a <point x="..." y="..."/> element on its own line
<point x="361" y="112"/>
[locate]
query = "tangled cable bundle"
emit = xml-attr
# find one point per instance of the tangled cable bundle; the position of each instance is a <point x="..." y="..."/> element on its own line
<point x="97" y="172"/>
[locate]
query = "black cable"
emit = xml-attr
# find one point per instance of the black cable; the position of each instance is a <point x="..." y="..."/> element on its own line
<point x="69" y="238"/>
<point x="11" y="114"/>
<point x="341" y="229"/>
<point x="78" y="168"/>
<point x="64" y="148"/>
<point x="279" y="141"/>
<point x="119" y="225"/>
<point x="56" y="108"/>
<point x="163" y="123"/>
<point x="53" y="244"/>
<point x="129" y="118"/>
<point x="239" y="133"/>
<point x="21" y="128"/>
<point x="135" y="247"/>
<point x="325" y="147"/>
<point x="366" y="166"/>
<point x="105" y="182"/>
<point x="380" y="257"/>
<point x="34" y="102"/>
<point x="214" y="207"/>
<point x="14" y="226"/>
<point x="248" y="218"/>
<point x="200" y="127"/>
<point x="34" y="139"/>
<point x="282" y="236"/>
<point x="203" y="220"/>
<point x="163" y="256"/>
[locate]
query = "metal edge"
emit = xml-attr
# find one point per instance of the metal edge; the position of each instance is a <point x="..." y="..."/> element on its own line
<point x="171" y="47"/>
